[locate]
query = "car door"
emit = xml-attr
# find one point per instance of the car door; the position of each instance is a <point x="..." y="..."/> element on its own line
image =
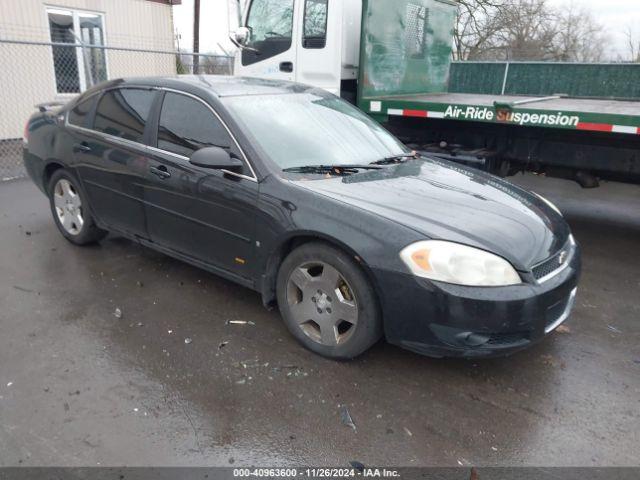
<point x="205" y="214"/>
<point x="271" y="52"/>
<point x="111" y="161"/>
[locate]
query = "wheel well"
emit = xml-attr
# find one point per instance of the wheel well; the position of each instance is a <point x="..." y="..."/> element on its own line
<point x="49" y="170"/>
<point x="269" y="278"/>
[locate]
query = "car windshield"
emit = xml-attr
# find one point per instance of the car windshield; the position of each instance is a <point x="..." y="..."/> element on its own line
<point x="312" y="128"/>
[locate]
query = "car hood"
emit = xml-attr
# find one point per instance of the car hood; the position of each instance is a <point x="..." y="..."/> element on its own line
<point x="446" y="201"/>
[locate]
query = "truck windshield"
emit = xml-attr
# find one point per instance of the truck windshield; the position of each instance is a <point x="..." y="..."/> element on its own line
<point x="312" y="128"/>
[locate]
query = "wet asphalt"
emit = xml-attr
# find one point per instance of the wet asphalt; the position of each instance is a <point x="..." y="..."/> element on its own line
<point x="79" y="386"/>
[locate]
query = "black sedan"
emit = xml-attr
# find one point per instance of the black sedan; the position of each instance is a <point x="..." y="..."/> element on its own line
<point x="297" y="194"/>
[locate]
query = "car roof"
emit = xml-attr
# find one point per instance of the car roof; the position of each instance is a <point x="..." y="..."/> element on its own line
<point x="219" y="85"/>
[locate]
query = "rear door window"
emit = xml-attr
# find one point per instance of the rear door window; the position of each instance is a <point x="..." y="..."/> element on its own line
<point x="187" y="125"/>
<point x="79" y="115"/>
<point x="124" y="113"/>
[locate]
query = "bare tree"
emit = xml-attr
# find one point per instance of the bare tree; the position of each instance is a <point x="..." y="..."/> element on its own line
<point x="579" y="37"/>
<point x="527" y="30"/>
<point x="475" y="26"/>
<point x="633" y="44"/>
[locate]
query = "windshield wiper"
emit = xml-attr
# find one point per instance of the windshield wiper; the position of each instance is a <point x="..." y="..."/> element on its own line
<point x="403" y="157"/>
<point x="331" y="169"/>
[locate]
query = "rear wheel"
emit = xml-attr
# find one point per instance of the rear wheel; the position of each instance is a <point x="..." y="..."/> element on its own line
<point x="71" y="211"/>
<point x="327" y="302"/>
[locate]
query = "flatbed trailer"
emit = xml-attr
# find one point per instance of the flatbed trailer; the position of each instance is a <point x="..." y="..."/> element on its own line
<point x="578" y="138"/>
<point x="585" y="114"/>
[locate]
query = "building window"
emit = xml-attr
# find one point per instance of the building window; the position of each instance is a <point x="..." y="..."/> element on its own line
<point x="76" y="67"/>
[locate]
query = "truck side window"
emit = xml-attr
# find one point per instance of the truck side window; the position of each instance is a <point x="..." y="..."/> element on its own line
<point x="271" y="26"/>
<point x="315" y="24"/>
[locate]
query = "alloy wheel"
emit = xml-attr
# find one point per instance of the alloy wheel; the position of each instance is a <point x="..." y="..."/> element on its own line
<point x="323" y="303"/>
<point x="68" y="206"/>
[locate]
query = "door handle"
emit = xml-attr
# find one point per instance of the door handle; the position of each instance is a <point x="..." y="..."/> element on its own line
<point x="81" y="147"/>
<point x="286" y="67"/>
<point x="161" y="172"/>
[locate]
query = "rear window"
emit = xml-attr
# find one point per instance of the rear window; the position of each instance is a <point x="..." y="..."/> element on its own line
<point x="124" y="113"/>
<point x="78" y="116"/>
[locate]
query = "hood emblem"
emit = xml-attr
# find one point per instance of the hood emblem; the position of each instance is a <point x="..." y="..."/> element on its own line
<point x="562" y="257"/>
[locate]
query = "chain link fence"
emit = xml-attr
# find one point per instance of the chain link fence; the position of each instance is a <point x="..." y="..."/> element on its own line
<point x="35" y="72"/>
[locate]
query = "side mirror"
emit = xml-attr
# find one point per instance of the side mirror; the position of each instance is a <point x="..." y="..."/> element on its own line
<point x="242" y="35"/>
<point x="216" y="158"/>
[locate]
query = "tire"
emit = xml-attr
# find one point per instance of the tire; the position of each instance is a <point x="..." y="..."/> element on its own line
<point x="327" y="302"/>
<point x="70" y="210"/>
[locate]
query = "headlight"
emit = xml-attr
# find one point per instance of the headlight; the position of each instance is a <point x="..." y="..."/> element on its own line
<point x="459" y="264"/>
<point x="548" y="202"/>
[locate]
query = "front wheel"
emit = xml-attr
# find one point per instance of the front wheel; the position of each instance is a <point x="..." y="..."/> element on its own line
<point x="71" y="211"/>
<point x="327" y="302"/>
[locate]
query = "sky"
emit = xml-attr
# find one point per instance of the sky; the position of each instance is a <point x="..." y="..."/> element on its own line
<point x="214" y="25"/>
<point x="215" y="17"/>
<point x="614" y="15"/>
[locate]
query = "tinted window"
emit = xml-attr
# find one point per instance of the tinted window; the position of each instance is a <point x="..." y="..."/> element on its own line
<point x="78" y="116"/>
<point x="315" y="24"/>
<point x="187" y="125"/>
<point x="271" y="25"/>
<point x="124" y="113"/>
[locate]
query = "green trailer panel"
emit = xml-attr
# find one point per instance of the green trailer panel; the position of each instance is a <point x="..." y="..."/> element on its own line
<point x="406" y="46"/>
<point x="597" y="80"/>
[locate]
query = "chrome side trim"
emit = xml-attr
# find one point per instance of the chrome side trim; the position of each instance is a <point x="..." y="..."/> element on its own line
<point x="110" y="138"/>
<point x="567" y="311"/>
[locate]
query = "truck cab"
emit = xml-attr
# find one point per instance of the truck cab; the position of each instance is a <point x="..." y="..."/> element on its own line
<point x="316" y="42"/>
<point x="400" y="46"/>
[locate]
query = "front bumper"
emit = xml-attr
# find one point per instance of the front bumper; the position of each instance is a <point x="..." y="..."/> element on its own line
<point x="444" y="320"/>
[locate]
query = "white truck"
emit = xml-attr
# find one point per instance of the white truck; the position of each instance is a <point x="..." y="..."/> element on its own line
<point x="392" y="58"/>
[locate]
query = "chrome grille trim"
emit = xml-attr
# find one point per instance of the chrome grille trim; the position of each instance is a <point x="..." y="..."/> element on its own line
<point x="568" y="250"/>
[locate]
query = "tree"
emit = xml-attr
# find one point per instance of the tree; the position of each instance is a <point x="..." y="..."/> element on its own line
<point x="579" y="37"/>
<point x="475" y="26"/>
<point x="527" y="30"/>
<point x="633" y="44"/>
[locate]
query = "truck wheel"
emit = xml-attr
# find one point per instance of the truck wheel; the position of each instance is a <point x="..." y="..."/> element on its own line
<point x="71" y="211"/>
<point x="327" y="302"/>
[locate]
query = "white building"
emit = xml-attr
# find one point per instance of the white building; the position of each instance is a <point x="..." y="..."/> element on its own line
<point x="33" y="72"/>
